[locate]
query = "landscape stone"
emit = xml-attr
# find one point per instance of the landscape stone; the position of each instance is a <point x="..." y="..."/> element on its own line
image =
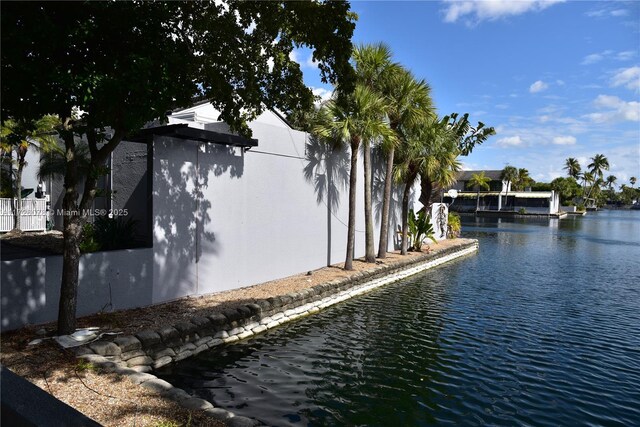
<point x="218" y="320"/>
<point x="177" y="395"/>
<point x="196" y="404"/>
<point x="131" y="354"/>
<point x="183" y="355"/>
<point x="148" y="338"/>
<point x="242" y="422"/>
<point x="170" y="336"/>
<point x="236" y="331"/>
<point x="157" y="385"/>
<point x="104" y="348"/>
<point x="219" y="414"/>
<point x="221" y="335"/>
<point x="140" y="360"/>
<point x="140" y="377"/>
<point x="162" y="361"/>
<point x="163" y="352"/>
<point x="142" y="368"/>
<point x="128" y="343"/>
<point x="245" y="334"/>
<point x="259" y="329"/>
<point x="215" y="342"/>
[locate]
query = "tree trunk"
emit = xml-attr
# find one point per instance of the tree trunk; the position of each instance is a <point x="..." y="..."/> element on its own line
<point x="71" y="246"/>
<point x="426" y="189"/>
<point x="405" y="212"/>
<point x="370" y="254"/>
<point x="70" y="266"/>
<point x="386" y="206"/>
<point x="351" y="230"/>
<point x="477" y="201"/>
<point x="17" y="225"/>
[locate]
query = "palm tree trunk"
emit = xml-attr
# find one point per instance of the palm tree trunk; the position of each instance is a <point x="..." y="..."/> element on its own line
<point x="386" y="206"/>
<point x="351" y="230"/>
<point x="370" y="255"/>
<point x="477" y="201"/>
<point x="426" y="189"/>
<point x="405" y="212"/>
<point x="17" y="213"/>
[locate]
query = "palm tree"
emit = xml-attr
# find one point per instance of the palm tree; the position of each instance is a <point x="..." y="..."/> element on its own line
<point x="360" y="119"/>
<point x="467" y="137"/>
<point x="431" y="149"/>
<point x="633" y="181"/>
<point x="479" y="181"/>
<point x="599" y="163"/>
<point x="19" y="136"/>
<point x="611" y="180"/>
<point x="409" y="103"/>
<point x="509" y="174"/>
<point x="523" y="180"/>
<point x="373" y="68"/>
<point x="573" y="167"/>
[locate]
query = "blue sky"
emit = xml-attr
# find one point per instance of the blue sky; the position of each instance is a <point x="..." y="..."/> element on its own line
<point x="557" y="79"/>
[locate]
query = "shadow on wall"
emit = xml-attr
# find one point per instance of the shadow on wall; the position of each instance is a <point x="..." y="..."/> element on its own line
<point x="327" y="167"/>
<point x="181" y="212"/>
<point x="112" y="280"/>
<point x="377" y="189"/>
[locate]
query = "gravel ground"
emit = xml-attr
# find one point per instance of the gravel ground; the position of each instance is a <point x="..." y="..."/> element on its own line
<point x="113" y="400"/>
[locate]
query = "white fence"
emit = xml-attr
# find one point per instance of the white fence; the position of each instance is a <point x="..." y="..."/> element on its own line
<point x="32" y="218"/>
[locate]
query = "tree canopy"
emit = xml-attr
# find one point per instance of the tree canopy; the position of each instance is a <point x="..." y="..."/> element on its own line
<point x="125" y="63"/>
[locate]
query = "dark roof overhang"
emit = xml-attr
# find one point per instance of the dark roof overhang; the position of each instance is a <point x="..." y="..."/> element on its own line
<point x="183" y="131"/>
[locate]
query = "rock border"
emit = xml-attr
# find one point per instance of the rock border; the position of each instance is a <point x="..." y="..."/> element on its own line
<point x="137" y="355"/>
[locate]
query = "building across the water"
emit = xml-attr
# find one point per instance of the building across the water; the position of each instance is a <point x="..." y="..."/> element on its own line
<point x="500" y="197"/>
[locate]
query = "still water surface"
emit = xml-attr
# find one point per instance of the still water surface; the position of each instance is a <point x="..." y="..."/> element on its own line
<point x="541" y="327"/>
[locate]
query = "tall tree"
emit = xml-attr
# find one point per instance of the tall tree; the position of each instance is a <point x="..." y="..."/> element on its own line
<point x="107" y="68"/>
<point x="632" y="181"/>
<point x="467" y="137"/>
<point x="432" y="150"/>
<point x="611" y="181"/>
<point x="374" y="68"/>
<point x="20" y="136"/>
<point x="410" y="103"/>
<point x="479" y="181"/>
<point x="508" y="175"/>
<point x="360" y="118"/>
<point x="523" y="180"/>
<point x="572" y="167"/>
<point x="598" y="165"/>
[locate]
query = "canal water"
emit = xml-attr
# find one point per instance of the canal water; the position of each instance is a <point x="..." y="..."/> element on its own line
<point x="541" y="327"/>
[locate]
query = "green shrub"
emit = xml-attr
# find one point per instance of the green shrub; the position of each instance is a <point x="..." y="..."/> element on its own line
<point x="88" y="242"/>
<point x="106" y="234"/>
<point x="454" y="226"/>
<point x="115" y="233"/>
<point x="522" y="211"/>
<point x="419" y="229"/>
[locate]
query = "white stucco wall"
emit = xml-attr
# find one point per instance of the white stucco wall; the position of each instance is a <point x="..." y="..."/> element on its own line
<point x="230" y="218"/>
<point x="109" y="281"/>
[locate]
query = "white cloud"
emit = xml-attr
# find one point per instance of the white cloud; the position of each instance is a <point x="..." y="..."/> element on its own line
<point x="625" y="56"/>
<point x="538" y="86"/>
<point x="592" y="59"/>
<point x="491" y="10"/>
<point x="619" y="12"/>
<point x="628" y="77"/>
<point x="298" y="56"/>
<point x="324" y="94"/>
<point x="616" y="110"/>
<point x="600" y="13"/>
<point x="509" y="141"/>
<point x="564" y="140"/>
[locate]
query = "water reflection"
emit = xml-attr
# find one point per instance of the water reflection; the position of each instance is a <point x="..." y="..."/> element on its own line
<point x="541" y="327"/>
